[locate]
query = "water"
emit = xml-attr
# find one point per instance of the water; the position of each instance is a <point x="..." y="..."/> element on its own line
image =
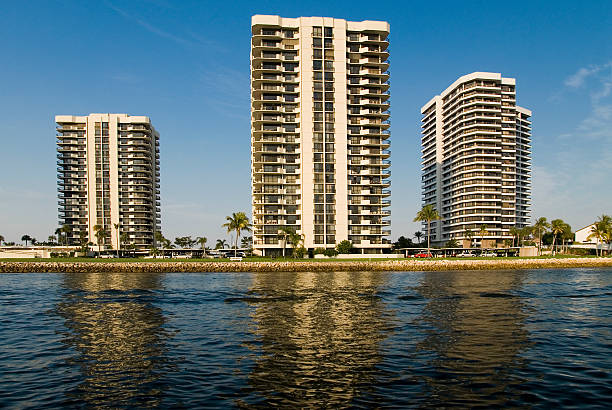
<point x="539" y="338"/>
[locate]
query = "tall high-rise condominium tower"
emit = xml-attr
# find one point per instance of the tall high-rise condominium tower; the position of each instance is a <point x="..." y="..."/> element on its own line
<point x="319" y="132"/>
<point x="108" y="179"/>
<point x="476" y="160"/>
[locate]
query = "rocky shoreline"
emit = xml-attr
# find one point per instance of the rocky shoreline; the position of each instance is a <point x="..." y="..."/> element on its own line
<point x="299" y="266"/>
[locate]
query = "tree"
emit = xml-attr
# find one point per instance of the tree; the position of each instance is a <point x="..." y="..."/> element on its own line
<point x="344" y="247"/>
<point x="50" y="239"/>
<point x="247" y="242"/>
<point x="283" y="233"/>
<point x="469" y="234"/>
<point x="525" y="232"/>
<point x="26" y="239"/>
<point x="602" y="232"/>
<point x="117" y="226"/>
<point x="1" y="239"/>
<point x="427" y="214"/>
<point x="418" y="235"/>
<point x="184" y="241"/>
<point x="540" y="228"/>
<point x="84" y="242"/>
<point x="101" y="235"/>
<point x="66" y="230"/>
<point x="296" y="240"/>
<point x="556" y="228"/>
<point x="237" y="222"/>
<point x="567" y="235"/>
<point x="125" y="239"/>
<point x="452" y="243"/>
<point x="34" y="241"/>
<point x="221" y="244"/>
<point x="482" y="231"/>
<point x="154" y="251"/>
<point x="202" y="241"/>
<point x="403" y="242"/>
<point x="515" y="231"/>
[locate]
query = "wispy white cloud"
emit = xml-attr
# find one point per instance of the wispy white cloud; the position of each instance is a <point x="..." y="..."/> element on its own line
<point x="189" y="41"/>
<point x="577" y="79"/>
<point x="597" y="81"/>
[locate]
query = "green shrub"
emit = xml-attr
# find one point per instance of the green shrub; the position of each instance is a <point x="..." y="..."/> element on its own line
<point x="344" y="247"/>
<point x="299" y="252"/>
<point x="319" y="251"/>
<point x="330" y="252"/>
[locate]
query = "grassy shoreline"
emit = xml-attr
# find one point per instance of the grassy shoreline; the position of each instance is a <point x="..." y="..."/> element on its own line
<point x="263" y="265"/>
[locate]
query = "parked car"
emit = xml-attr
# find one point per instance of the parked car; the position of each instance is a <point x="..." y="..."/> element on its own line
<point x="488" y="254"/>
<point x="466" y="255"/>
<point x="423" y="255"/>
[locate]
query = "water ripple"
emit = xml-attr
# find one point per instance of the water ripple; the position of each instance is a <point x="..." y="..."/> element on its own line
<point x="538" y="338"/>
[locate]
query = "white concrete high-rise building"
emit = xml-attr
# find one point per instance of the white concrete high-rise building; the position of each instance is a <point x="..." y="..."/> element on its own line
<point x="476" y="160"/>
<point x="319" y="132"/>
<point x="108" y="167"/>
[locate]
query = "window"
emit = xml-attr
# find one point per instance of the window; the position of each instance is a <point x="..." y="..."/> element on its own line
<point x="317" y="65"/>
<point x="289" y="33"/>
<point x="317" y="53"/>
<point x="329" y="65"/>
<point x="329" y="32"/>
<point x="317" y="43"/>
<point x="317" y="32"/>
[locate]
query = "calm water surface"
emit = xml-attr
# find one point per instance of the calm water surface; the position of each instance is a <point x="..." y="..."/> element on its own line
<point x="539" y="338"/>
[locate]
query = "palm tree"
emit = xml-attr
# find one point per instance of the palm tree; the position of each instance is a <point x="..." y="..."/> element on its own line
<point x="202" y="241"/>
<point x="567" y="235"/>
<point x="221" y="243"/>
<point x="418" y="236"/>
<point x="101" y="235"/>
<point x="469" y="234"/>
<point x="50" y="239"/>
<point x="237" y="222"/>
<point x="246" y="242"/>
<point x="26" y="238"/>
<point x="427" y="214"/>
<point x="1" y="239"/>
<point x="515" y="231"/>
<point x="295" y="239"/>
<point x="557" y="226"/>
<point x="606" y="224"/>
<point x="118" y="238"/>
<point x="482" y="231"/>
<point x="66" y="229"/>
<point x="124" y="238"/>
<point x="154" y="251"/>
<point x="598" y="232"/>
<point x="525" y="231"/>
<point x="540" y="228"/>
<point x="283" y="233"/>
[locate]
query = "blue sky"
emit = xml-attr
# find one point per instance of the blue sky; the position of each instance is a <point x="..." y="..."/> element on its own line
<point x="186" y="65"/>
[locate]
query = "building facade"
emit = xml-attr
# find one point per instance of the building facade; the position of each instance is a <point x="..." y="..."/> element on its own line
<point x="320" y="132"/>
<point x="108" y="176"/>
<point x="476" y="160"/>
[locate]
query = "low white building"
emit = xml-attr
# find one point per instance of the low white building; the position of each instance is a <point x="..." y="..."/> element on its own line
<point x="583" y="234"/>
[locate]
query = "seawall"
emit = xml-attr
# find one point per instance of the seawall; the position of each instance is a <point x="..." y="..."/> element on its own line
<point x="303" y="266"/>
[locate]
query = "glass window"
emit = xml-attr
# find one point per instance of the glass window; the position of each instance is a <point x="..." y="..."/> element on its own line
<point x="317" y="31"/>
<point x="329" y="32"/>
<point x="317" y="65"/>
<point x="317" y="43"/>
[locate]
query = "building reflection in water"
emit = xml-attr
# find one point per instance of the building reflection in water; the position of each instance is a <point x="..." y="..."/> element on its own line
<point x="474" y="325"/>
<point x="118" y="333"/>
<point x="317" y="337"/>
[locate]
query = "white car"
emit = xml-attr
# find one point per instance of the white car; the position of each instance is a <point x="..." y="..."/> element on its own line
<point x="466" y="255"/>
<point x="488" y="254"/>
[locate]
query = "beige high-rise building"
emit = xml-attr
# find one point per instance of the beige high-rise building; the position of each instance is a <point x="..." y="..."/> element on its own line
<point x="476" y="160"/>
<point x="108" y="167"/>
<point x="319" y="132"/>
